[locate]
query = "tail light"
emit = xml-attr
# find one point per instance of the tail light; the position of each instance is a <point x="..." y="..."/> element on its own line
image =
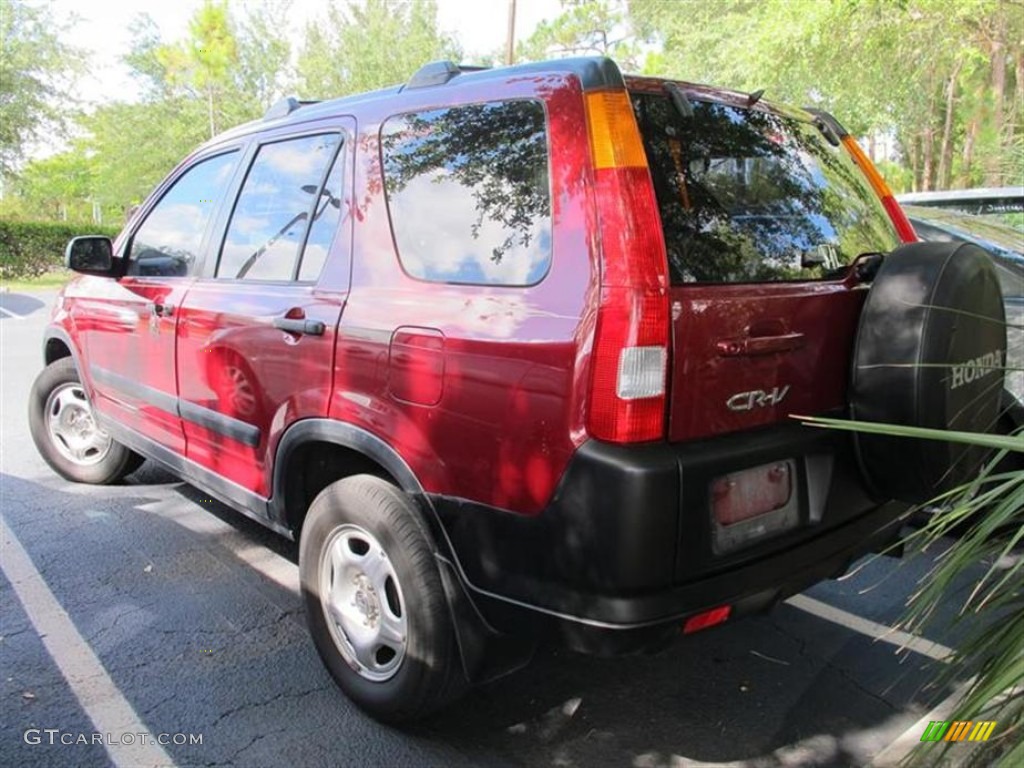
<point x="899" y="219"/>
<point x="630" y="359"/>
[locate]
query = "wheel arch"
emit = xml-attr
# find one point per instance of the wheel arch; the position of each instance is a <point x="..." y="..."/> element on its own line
<point x="315" y="452"/>
<point x="57" y="344"/>
<point x="484" y="653"/>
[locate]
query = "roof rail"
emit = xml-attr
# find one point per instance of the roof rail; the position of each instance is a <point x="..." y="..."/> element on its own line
<point x="284" y="107"/>
<point x="438" y="73"/>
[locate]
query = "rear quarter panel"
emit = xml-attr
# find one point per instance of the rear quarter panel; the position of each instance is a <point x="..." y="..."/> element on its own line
<point x="510" y="411"/>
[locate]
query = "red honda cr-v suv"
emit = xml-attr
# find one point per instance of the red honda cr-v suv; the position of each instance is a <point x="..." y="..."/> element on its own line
<point x="515" y="352"/>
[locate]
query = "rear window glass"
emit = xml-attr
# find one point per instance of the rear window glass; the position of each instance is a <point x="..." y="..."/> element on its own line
<point x="749" y="196"/>
<point x="467" y="188"/>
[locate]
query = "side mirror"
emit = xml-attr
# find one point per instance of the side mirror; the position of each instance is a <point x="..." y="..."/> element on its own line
<point x="90" y="255"/>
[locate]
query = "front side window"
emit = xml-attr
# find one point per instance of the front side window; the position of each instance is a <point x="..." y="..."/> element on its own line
<point x="468" y="193"/>
<point x="168" y="242"/>
<point x="280" y="197"/>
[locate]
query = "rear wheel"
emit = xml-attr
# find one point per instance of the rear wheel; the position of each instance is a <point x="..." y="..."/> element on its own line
<point x="66" y="434"/>
<point x="375" y="602"/>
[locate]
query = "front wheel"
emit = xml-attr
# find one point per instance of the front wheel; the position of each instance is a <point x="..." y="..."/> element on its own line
<point x="66" y="434"/>
<point x="375" y="602"/>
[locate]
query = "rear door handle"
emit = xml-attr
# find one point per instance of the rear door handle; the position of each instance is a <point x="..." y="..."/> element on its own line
<point x="301" y="326"/>
<point x="760" y="345"/>
<point x="161" y="310"/>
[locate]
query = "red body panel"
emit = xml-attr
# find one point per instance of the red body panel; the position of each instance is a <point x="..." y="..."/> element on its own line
<point x="769" y="350"/>
<point x="116" y="326"/>
<point x="510" y="413"/>
<point x="233" y="361"/>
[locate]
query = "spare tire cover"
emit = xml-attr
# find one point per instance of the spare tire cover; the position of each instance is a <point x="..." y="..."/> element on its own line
<point x="930" y="353"/>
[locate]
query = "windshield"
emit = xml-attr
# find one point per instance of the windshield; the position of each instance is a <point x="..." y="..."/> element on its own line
<point x="752" y="196"/>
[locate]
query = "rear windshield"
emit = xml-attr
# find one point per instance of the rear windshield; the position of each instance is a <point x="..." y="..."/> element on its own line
<point x="750" y="196"/>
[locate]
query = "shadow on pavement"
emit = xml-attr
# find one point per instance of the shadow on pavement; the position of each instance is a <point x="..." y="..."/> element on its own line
<point x="150" y="600"/>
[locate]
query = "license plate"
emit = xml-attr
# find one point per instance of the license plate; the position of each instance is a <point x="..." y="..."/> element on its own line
<point x="753" y="504"/>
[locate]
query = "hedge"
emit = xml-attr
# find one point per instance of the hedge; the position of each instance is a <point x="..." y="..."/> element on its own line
<point x="33" y="248"/>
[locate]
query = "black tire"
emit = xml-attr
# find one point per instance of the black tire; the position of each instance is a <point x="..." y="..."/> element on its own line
<point x="429" y="672"/>
<point x="104" y="467"/>
<point x="930" y="351"/>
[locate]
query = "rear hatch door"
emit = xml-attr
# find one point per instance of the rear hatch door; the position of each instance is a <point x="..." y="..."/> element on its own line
<point x="762" y="219"/>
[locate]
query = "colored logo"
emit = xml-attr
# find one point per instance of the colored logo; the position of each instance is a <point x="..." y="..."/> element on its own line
<point x="958" y="730"/>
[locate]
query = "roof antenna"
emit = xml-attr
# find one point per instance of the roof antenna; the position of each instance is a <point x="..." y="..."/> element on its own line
<point x="755" y="97"/>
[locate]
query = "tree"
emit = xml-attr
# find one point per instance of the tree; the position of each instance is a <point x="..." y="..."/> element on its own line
<point x="202" y="63"/>
<point x="954" y="107"/>
<point x="58" y="186"/>
<point x="263" y="72"/>
<point x="585" y="28"/>
<point x="226" y="71"/>
<point x="36" y="70"/>
<point x="370" y="44"/>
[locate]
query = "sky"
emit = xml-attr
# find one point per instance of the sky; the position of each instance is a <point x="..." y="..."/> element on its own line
<point x="102" y="29"/>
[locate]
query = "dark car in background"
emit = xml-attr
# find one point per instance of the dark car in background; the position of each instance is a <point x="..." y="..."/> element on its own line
<point x="1006" y="245"/>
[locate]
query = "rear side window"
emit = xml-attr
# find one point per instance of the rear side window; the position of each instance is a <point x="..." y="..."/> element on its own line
<point x="468" y="193"/>
<point x="168" y="242"/>
<point x="750" y="196"/>
<point x="282" y="194"/>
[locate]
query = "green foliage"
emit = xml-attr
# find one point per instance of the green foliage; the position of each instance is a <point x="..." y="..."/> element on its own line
<point x="135" y="145"/>
<point x="943" y="75"/>
<point x="35" y="67"/>
<point x="226" y="71"/>
<point x="30" y="248"/>
<point x="955" y="108"/>
<point x="987" y="517"/>
<point x="371" y="44"/>
<point x="58" y="186"/>
<point x="585" y="28"/>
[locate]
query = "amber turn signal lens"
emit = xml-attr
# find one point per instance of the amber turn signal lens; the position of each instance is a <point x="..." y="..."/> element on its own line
<point x="614" y="137"/>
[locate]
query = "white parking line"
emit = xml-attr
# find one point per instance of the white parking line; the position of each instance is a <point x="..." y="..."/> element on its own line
<point x="870" y="628"/>
<point x="100" y="698"/>
<point x="15" y="315"/>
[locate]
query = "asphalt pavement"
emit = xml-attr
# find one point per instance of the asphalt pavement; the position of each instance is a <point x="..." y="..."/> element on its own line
<point x="148" y="608"/>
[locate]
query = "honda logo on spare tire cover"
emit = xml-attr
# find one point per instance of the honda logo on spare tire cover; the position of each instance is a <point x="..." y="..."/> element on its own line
<point x="930" y="352"/>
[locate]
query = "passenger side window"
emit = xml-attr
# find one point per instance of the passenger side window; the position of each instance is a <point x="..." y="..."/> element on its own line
<point x="282" y="194"/>
<point x="468" y="193"/>
<point x="168" y="242"/>
<point x="325" y="224"/>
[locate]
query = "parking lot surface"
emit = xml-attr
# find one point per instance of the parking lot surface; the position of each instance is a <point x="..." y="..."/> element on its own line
<point x="149" y="608"/>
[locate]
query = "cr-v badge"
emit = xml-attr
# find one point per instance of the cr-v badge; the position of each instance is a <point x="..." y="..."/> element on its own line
<point x="748" y="401"/>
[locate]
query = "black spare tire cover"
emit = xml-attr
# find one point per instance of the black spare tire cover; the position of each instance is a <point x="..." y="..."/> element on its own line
<point x="930" y="353"/>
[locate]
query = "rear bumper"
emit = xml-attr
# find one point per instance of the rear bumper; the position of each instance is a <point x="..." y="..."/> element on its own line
<point x="626" y="546"/>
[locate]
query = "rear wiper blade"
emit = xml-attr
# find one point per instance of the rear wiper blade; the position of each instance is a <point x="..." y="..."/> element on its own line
<point x="682" y="104"/>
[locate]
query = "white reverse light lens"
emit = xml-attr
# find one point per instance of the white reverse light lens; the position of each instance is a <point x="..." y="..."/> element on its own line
<point x="641" y="372"/>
